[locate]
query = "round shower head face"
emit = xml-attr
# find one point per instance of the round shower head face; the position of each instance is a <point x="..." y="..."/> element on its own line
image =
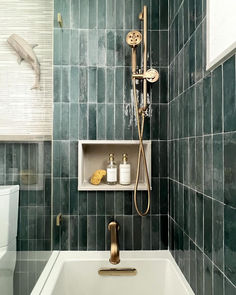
<point x="134" y="38"/>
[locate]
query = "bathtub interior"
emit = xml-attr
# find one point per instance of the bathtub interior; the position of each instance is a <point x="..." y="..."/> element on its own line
<point x="80" y="276"/>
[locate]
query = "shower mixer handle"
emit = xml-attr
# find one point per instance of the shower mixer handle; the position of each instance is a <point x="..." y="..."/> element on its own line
<point x="150" y="75"/>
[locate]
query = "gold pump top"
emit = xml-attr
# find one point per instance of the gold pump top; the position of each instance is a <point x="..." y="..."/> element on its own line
<point x="111" y="157"/>
<point x="124" y="158"/>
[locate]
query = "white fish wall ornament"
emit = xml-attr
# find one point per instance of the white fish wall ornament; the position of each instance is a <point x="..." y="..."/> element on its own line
<point x="25" y="52"/>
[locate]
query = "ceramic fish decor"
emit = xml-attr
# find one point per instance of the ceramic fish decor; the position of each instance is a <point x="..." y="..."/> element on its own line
<point x="25" y="52"/>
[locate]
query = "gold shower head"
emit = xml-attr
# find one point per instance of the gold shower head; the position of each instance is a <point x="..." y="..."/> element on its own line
<point x="134" y="38"/>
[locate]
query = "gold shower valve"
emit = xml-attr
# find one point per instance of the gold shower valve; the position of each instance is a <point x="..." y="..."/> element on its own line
<point x="151" y="76"/>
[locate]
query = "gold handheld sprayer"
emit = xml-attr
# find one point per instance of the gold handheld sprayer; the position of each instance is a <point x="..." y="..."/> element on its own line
<point x="133" y="39"/>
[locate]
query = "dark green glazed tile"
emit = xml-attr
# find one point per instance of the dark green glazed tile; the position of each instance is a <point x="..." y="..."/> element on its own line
<point x="91" y="235"/>
<point x="230" y="242"/>
<point x="192" y="111"/>
<point x="146" y="233"/>
<point x="186" y="161"/>
<point x="163" y="61"/>
<point x="57" y="84"/>
<point x="127" y="18"/>
<point x="110" y="85"/>
<point x="74" y="196"/>
<point x="207" y="275"/>
<point x="83" y="85"/>
<point x="163" y="85"/>
<point x="163" y="161"/>
<point x="74" y="88"/>
<point x="64" y="158"/>
<point x="155" y="15"/>
<point x="100" y="233"/>
<point x="111" y="15"/>
<point x="163" y="196"/>
<point x="186" y="257"/>
<point x="65" y="85"/>
<point x="101" y="85"/>
<point x="93" y="48"/>
<point x="100" y="203"/>
<point x="155" y="119"/>
<point x="155" y="199"/>
<point x="155" y="232"/>
<point x="199" y="108"/>
<point x="218" y="169"/>
<point x="208" y="165"/>
<point x="101" y="48"/>
<point x="137" y="232"/>
<point x="128" y="229"/>
<point x="92" y="121"/>
<point x="186" y="114"/>
<point x="127" y="121"/>
<point x="119" y="51"/>
<point x="57" y="53"/>
<point x="229" y="169"/>
<point x="199" y="52"/>
<point x="217" y="99"/>
<point x="83" y="203"/>
<point x="128" y="203"/>
<point x="64" y="121"/>
<point x="119" y="87"/>
<point x="198" y="11"/>
<point x="74" y="14"/>
<point x="163" y="122"/>
<point x="120" y="14"/>
<point x="199" y="271"/>
<point x="192" y="163"/>
<point x="186" y="211"/>
<point x="56" y="158"/>
<point x="56" y="198"/>
<point x="192" y="209"/>
<point x="109" y="203"/>
<point x="119" y="203"/>
<point x="163" y="14"/>
<point x="119" y="130"/>
<point x="229" y="288"/>
<point x="164" y="232"/>
<point x="83" y="48"/>
<point x="82" y="233"/>
<point x="82" y="121"/>
<point x="101" y="131"/>
<point x="64" y="194"/>
<point x="199" y="220"/>
<point x="218" y="229"/>
<point x="92" y="84"/>
<point x="65" y="12"/>
<point x="229" y="94"/>
<point x="155" y="48"/>
<point x="110" y="121"/>
<point x="137" y="8"/>
<point x="92" y="203"/>
<point x="192" y="16"/>
<point x="92" y="14"/>
<point x="186" y="20"/>
<point x="208" y="227"/>
<point x="102" y="14"/>
<point x="199" y="164"/>
<point x="84" y="14"/>
<point x="65" y="47"/>
<point x="192" y="57"/>
<point x="207" y="105"/>
<point x="74" y="229"/>
<point x="74" y="123"/>
<point x="180" y="72"/>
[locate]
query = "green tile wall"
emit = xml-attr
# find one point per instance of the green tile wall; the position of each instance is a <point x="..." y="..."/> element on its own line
<point x="34" y="215"/>
<point x="93" y="100"/>
<point x="202" y="145"/>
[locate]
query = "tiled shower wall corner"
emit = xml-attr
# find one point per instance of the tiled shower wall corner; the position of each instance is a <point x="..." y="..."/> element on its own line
<point x="34" y="215"/>
<point x="93" y="100"/>
<point x="202" y="145"/>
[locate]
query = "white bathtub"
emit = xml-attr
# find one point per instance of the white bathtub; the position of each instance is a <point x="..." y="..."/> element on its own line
<point x="76" y="273"/>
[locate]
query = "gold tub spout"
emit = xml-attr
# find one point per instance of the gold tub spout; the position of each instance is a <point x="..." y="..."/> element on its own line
<point x="113" y="227"/>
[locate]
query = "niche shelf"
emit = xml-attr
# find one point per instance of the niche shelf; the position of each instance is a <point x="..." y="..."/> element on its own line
<point x="93" y="155"/>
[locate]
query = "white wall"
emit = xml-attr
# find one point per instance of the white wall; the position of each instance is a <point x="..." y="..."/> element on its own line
<point x="26" y="114"/>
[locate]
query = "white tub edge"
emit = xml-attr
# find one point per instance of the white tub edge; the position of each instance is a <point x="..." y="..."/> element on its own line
<point x="45" y="274"/>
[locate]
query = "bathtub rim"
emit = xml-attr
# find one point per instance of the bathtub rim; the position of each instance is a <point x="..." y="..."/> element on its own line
<point x="57" y="259"/>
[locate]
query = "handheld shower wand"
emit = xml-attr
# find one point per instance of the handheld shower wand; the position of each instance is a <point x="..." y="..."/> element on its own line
<point x="133" y="39"/>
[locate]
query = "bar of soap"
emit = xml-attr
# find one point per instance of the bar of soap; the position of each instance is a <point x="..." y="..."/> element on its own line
<point x="97" y="176"/>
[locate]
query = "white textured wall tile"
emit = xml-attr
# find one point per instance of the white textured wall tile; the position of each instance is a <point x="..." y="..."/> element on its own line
<point x="25" y="112"/>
